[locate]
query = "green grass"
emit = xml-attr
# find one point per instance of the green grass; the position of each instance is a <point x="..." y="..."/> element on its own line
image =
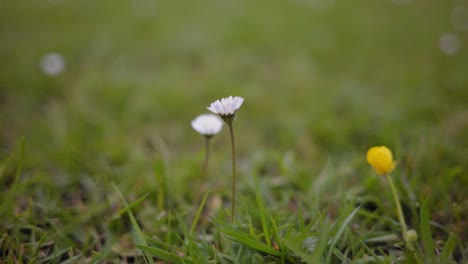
<point x="100" y="165"/>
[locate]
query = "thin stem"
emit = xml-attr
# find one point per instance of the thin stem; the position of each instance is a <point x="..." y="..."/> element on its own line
<point x="231" y="132"/>
<point x="205" y="163"/>
<point x="398" y="205"/>
<point x="204" y="172"/>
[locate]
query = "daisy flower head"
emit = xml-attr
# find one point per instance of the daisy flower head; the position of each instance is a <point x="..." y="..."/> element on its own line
<point x="226" y="107"/>
<point x="207" y="124"/>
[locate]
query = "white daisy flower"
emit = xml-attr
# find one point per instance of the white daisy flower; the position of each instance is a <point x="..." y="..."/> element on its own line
<point x="207" y="124"/>
<point x="226" y="106"/>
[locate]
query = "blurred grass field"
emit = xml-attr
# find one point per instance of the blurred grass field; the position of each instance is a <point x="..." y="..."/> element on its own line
<point x="322" y="80"/>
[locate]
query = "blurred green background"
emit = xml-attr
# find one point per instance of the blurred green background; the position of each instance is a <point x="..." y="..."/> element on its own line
<point x="322" y="80"/>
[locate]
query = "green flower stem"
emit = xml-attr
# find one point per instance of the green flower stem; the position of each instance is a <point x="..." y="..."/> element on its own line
<point x="398" y="205"/>
<point x="233" y="206"/>
<point x="207" y="157"/>
<point x="204" y="172"/>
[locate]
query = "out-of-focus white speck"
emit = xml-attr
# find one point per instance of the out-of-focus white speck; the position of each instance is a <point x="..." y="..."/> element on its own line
<point x="459" y="18"/>
<point x="449" y="43"/>
<point x="52" y="64"/>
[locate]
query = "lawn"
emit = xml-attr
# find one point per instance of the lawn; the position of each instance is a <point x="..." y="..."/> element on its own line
<point x="99" y="162"/>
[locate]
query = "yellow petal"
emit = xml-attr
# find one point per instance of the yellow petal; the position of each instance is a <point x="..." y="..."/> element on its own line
<point x="381" y="158"/>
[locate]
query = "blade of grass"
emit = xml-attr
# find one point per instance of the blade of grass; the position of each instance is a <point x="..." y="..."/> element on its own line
<point x="340" y="232"/>
<point x="341" y="256"/>
<point x="276" y="233"/>
<point x="251" y="228"/>
<point x="300" y="218"/>
<point x="261" y="209"/>
<point x="20" y="161"/>
<point x="139" y="237"/>
<point x="159" y="169"/>
<point x="199" y="211"/>
<point x="370" y="256"/>
<point x="298" y="251"/>
<point x="191" y="246"/>
<point x="164" y="255"/>
<point x="426" y="235"/>
<point x="138" y="232"/>
<point x="238" y="255"/>
<point x="245" y="239"/>
<point x="10" y="194"/>
<point x="445" y="256"/>
<point x="37" y="246"/>
<point x="323" y="241"/>
<point x="56" y="254"/>
<point x="132" y="205"/>
<point x="382" y="239"/>
<point x="74" y="259"/>
<point x="304" y="233"/>
<point x="279" y="240"/>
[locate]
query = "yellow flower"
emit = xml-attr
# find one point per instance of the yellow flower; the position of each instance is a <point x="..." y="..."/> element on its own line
<point x="381" y="159"/>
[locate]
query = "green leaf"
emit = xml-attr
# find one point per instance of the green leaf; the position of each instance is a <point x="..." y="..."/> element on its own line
<point x="445" y="256"/>
<point x="19" y="170"/>
<point x="56" y="255"/>
<point x="199" y="211"/>
<point x="382" y="239"/>
<point x="300" y="218"/>
<point x="261" y="209"/>
<point x="340" y="232"/>
<point x="10" y="194"/>
<point x="164" y="255"/>
<point x="276" y="234"/>
<point x="297" y="251"/>
<point x="139" y="237"/>
<point x="245" y="239"/>
<point x="160" y="173"/>
<point x="132" y="205"/>
<point x="426" y="235"/>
